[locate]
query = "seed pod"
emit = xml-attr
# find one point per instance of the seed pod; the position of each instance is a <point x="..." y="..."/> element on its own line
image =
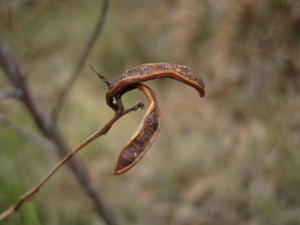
<point x="149" y="127"/>
<point x="131" y="78"/>
<point x="142" y="139"/>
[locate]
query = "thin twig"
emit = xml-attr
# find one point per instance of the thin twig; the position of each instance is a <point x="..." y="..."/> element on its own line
<point x="103" y="78"/>
<point x="9" y="63"/>
<point x="81" y="61"/>
<point x="10" y="94"/>
<point x="103" y="130"/>
<point x="43" y="142"/>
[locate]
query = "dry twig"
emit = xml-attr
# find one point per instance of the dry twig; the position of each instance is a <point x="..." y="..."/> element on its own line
<point x="9" y="94"/>
<point x="45" y="143"/>
<point x="103" y="130"/>
<point x="81" y="61"/>
<point x="8" y="61"/>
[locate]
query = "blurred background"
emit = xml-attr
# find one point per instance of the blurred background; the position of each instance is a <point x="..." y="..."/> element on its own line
<point x="232" y="157"/>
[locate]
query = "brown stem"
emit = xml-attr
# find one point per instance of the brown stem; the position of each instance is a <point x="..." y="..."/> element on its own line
<point x="81" y="61"/>
<point x="30" y="194"/>
<point x="9" y="63"/>
<point x="102" y="78"/>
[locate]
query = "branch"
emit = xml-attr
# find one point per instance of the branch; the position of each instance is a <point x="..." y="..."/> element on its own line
<point x="81" y="61"/>
<point x="27" y="134"/>
<point x="9" y="94"/>
<point x="31" y="193"/>
<point x="9" y="63"/>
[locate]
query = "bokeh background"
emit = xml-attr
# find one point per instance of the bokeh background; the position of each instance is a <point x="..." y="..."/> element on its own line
<point x="232" y="157"/>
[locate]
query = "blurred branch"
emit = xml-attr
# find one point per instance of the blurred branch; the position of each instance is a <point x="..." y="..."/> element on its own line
<point x="9" y="63"/>
<point x="81" y="61"/>
<point x="45" y="143"/>
<point x="9" y="94"/>
<point x="31" y="193"/>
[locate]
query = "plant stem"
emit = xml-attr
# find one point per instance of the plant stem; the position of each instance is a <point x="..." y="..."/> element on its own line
<point x="101" y="131"/>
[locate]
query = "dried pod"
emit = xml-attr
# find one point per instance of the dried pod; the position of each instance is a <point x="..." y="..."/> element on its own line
<point x="148" y="129"/>
<point x="140" y="142"/>
<point x="131" y="78"/>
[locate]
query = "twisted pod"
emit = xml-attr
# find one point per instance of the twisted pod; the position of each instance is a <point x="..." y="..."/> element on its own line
<point x="148" y="129"/>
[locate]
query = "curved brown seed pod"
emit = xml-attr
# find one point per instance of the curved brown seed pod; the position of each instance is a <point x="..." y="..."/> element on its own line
<point x="144" y="72"/>
<point x="143" y="137"/>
